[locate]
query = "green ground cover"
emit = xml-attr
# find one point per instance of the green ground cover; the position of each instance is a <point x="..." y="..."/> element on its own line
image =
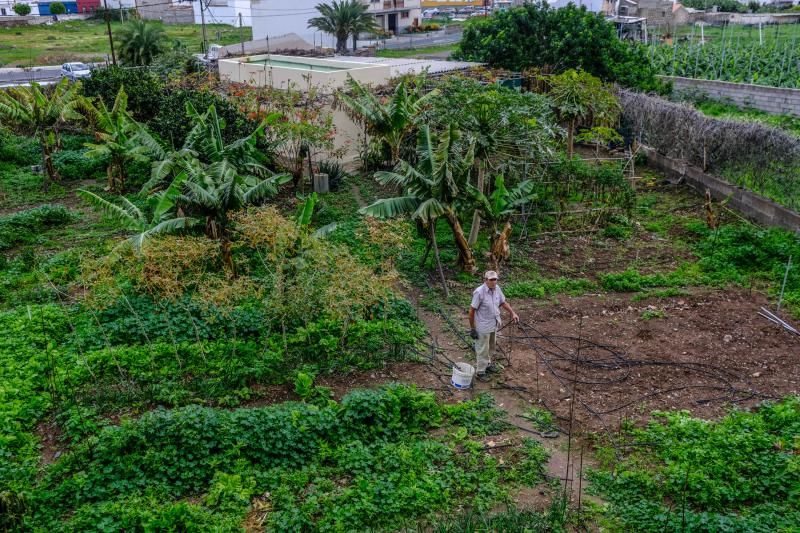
<point x="143" y="389"/>
<point x="683" y="474"/>
<point x="368" y="461"/>
<point x="731" y="111"/>
<point x="87" y="40"/>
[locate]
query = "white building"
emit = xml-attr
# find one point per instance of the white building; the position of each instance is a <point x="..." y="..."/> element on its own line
<point x="271" y="18"/>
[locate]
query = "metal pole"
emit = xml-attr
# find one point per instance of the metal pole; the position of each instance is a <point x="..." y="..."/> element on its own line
<point x="783" y="286"/>
<point x="121" y="13"/>
<point x="203" y="22"/>
<point x="110" y="39"/>
<point x="241" y="37"/>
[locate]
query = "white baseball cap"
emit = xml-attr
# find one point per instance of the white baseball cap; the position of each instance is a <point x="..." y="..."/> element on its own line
<point x="490" y="274"/>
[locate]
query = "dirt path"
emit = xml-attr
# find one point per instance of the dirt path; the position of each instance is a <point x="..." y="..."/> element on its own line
<point x="567" y="456"/>
<point x="357" y="195"/>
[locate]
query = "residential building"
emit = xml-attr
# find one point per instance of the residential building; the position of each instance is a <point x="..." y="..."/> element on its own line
<point x="271" y="18"/>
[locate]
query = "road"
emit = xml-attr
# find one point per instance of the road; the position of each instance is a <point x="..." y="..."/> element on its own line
<point x="423" y="40"/>
<point x="18" y="76"/>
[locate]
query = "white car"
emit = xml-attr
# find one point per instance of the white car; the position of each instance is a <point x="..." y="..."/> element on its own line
<point x="75" y="71"/>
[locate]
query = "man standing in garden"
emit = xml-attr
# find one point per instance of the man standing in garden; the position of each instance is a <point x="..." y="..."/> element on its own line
<point x="484" y="319"/>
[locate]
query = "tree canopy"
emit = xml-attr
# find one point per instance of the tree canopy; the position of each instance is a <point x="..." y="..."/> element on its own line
<point x="539" y="36"/>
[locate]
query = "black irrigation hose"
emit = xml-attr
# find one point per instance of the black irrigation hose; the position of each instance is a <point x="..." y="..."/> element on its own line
<point x="724" y="376"/>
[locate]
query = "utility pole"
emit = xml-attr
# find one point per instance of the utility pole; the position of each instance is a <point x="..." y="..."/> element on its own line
<point x="110" y="39"/>
<point x="203" y="22"/>
<point x="121" y="13"/>
<point x="241" y="36"/>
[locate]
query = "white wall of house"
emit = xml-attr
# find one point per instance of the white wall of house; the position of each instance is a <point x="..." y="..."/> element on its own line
<point x="7" y="8"/>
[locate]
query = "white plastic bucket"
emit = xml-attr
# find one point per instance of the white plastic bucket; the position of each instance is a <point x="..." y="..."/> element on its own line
<point x="462" y="375"/>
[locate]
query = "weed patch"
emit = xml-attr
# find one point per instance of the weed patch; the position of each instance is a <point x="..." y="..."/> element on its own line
<point x="737" y="474"/>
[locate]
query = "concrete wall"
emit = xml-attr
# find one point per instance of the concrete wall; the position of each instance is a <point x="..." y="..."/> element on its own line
<point x="748" y="203"/>
<point x="261" y="75"/>
<point x="776" y="100"/>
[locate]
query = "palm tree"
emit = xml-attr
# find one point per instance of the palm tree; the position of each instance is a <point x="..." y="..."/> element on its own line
<point x="119" y="138"/>
<point x="343" y="19"/>
<point x="140" y="42"/>
<point x="391" y="119"/>
<point x="31" y="111"/>
<point x="436" y="187"/>
<point x="497" y="210"/>
<point x="579" y="98"/>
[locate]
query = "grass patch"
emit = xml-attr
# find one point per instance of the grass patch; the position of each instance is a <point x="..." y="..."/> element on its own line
<point x="87" y="40"/>
<point x="731" y="111"/>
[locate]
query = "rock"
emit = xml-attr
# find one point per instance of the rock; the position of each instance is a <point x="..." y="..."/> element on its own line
<point x="727" y="338"/>
<point x="756" y="374"/>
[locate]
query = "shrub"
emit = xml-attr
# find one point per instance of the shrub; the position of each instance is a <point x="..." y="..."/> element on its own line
<point x="539" y="36"/>
<point x="57" y="8"/>
<point x="144" y="89"/>
<point x="22" y="9"/>
<point x="25" y="226"/>
<point x="171" y="124"/>
<point x="74" y="165"/>
<point x="22" y="151"/>
<point x="336" y="173"/>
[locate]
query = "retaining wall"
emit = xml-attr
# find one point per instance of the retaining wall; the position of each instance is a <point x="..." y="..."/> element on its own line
<point x="776" y="100"/>
<point x="748" y="203"/>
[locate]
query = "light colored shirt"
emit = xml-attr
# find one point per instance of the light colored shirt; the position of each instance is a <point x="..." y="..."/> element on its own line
<point x="486" y="303"/>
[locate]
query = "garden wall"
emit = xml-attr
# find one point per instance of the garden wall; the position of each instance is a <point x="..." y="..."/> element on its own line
<point x="776" y="100"/>
<point x="752" y="205"/>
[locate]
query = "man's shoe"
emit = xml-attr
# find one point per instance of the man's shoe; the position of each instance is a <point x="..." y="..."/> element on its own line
<point x="482" y="376"/>
<point x="494" y="368"/>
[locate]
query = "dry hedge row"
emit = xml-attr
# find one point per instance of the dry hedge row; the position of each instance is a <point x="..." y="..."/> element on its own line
<point x="678" y="130"/>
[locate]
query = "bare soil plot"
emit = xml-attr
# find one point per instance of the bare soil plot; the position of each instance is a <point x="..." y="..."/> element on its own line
<point x="702" y="352"/>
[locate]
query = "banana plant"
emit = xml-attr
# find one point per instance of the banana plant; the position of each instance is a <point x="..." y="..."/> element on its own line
<point x="119" y="138"/>
<point x="389" y="119"/>
<point x="31" y="111"/>
<point x="305" y="212"/>
<point x="436" y="187"/>
<point x="158" y="218"/>
<point x="498" y="209"/>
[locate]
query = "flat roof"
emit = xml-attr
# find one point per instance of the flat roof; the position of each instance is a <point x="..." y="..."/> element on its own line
<point x="402" y="66"/>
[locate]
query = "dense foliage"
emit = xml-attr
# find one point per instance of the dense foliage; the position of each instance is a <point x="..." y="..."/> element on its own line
<point x="681" y="473"/>
<point x="367" y="461"/>
<point x="539" y="36"/>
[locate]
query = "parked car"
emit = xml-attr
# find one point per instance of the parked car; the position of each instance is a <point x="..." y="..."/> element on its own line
<point x="214" y="51"/>
<point x="75" y="71"/>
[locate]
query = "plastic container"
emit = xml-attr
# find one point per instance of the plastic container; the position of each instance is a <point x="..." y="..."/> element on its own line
<point x="462" y="375"/>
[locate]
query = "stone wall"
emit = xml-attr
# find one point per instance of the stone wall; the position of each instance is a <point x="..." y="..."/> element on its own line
<point x="770" y="99"/>
<point x="748" y="203"/>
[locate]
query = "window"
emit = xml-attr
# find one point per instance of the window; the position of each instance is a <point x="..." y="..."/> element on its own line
<point x="404" y="15"/>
